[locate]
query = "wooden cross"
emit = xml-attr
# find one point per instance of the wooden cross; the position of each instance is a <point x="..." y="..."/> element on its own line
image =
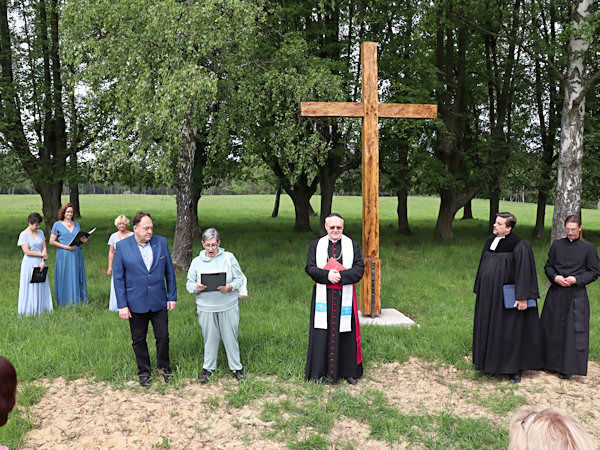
<point x="370" y="111"/>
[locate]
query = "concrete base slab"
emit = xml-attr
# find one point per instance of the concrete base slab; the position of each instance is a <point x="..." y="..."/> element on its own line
<point x="389" y="317"/>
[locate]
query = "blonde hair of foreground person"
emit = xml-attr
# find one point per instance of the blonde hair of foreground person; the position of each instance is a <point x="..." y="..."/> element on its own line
<point x="548" y="429"/>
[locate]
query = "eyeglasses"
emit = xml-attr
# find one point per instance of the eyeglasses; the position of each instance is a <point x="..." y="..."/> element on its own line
<point x="210" y="245"/>
<point x="572" y="230"/>
<point x="335" y="228"/>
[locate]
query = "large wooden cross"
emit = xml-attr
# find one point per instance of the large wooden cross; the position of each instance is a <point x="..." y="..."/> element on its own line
<point x="370" y="110"/>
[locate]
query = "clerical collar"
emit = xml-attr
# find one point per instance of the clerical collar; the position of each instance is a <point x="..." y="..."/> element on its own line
<point x="495" y="242"/>
<point x="333" y="242"/>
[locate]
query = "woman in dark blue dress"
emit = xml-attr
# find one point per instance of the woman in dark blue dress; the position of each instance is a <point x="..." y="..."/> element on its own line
<point x="70" y="285"/>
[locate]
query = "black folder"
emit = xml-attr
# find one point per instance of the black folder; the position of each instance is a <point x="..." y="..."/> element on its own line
<point x="38" y="275"/>
<point x="77" y="239"/>
<point x="213" y="280"/>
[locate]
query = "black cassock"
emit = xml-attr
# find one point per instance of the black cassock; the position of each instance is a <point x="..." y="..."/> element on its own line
<point x="506" y="341"/>
<point x="331" y="354"/>
<point x="566" y="314"/>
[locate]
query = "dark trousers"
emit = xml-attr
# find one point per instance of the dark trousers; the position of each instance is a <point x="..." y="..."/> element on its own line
<point x="138" y="323"/>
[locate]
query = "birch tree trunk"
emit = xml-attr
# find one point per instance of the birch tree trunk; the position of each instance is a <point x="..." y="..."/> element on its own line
<point x="568" y="184"/>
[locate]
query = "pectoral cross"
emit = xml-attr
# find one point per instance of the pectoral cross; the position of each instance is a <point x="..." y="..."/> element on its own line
<point x="370" y="110"/>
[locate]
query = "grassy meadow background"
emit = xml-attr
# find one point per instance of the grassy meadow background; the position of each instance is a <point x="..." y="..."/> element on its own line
<point x="427" y="280"/>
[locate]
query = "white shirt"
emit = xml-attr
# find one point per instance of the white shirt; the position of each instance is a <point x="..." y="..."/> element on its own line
<point x="147" y="255"/>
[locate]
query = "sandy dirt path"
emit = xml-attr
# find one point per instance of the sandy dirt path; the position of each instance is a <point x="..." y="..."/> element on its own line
<point x="84" y="414"/>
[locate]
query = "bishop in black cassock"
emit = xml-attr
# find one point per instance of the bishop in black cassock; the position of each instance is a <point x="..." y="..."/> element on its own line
<point x="572" y="264"/>
<point x="333" y="351"/>
<point x="506" y="341"/>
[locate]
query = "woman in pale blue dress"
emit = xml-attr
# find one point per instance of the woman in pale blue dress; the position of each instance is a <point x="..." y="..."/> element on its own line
<point x="121" y="223"/>
<point x="70" y="285"/>
<point x="34" y="298"/>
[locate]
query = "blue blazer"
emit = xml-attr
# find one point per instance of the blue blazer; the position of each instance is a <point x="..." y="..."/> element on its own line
<point x="136" y="287"/>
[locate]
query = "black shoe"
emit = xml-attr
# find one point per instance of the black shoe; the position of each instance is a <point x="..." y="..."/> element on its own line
<point x="515" y="377"/>
<point x="352" y="380"/>
<point x="204" y="375"/>
<point x="239" y="375"/>
<point x="168" y="378"/>
<point x="145" y="380"/>
<point x="564" y="376"/>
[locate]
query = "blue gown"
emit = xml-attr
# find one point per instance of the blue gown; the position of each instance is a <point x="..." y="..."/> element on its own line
<point x="70" y="285"/>
<point x="34" y="298"/>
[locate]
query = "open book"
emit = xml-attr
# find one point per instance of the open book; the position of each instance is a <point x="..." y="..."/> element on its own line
<point x="77" y="239"/>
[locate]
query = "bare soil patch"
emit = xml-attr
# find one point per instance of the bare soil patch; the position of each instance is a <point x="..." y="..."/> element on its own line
<point x="84" y="414"/>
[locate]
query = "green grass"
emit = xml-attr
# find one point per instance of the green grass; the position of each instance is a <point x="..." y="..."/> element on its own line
<point x="429" y="281"/>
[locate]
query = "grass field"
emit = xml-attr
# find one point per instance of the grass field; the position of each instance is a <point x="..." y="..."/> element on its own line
<point x="429" y="281"/>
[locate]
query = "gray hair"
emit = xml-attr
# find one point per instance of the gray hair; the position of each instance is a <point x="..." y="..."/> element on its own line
<point x="333" y="215"/>
<point x="210" y="233"/>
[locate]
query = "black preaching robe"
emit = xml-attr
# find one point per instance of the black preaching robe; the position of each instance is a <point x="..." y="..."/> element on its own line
<point x="566" y="315"/>
<point x="331" y="354"/>
<point x="506" y="341"/>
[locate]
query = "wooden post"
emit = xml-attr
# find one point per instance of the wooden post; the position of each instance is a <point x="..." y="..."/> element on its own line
<point x="370" y="286"/>
<point x="370" y="110"/>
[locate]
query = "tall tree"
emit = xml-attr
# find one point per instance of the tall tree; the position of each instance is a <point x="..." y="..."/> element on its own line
<point x="33" y="126"/>
<point x="452" y="41"/>
<point x="577" y="81"/>
<point x="270" y="127"/>
<point x="500" y="62"/>
<point x="154" y="67"/>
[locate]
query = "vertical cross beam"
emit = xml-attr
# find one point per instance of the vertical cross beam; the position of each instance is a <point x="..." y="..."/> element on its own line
<point x="370" y="286"/>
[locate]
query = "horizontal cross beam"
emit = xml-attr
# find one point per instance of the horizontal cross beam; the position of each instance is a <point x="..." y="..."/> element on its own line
<point x="384" y="110"/>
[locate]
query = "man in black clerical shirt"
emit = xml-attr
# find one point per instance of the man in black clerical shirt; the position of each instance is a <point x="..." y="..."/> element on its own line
<point x="506" y="341"/>
<point x="335" y="264"/>
<point x="572" y="264"/>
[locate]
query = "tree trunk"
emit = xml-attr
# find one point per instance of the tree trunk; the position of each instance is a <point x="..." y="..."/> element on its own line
<point x="452" y="110"/>
<point x="200" y="159"/>
<point x="73" y="143"/>
<point x="182" y="243"/>
<point x="539" y="231"/>
<point x="468" y="211"/>
<point x="402" y="211"/>
<point x="568" y="183"/>
<point x="50" y="194"/>
<point x="300" y="192"/>
<point x="494" y="203"/>
<point x="74" y="186"/>
<point x="302" y="210"/>
<point x="548" y="137"/>
<point x="300" y="196"/>
<point x="327" y="183"/>
<point x="275" y="212"/>
<point x="74" y="199"/>
<point x="443" y="225"/>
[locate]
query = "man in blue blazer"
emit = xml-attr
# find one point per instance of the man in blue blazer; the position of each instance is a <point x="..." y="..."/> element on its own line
<point x="141" y="266"/>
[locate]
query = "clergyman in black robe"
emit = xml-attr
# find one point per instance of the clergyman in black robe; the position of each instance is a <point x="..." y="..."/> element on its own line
<point x="572" y="264"/>
<point x="506" y="341"/>
<point x="334" y="353"/>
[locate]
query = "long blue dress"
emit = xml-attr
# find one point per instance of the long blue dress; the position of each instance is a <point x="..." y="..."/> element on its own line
<point x="70" y="285"/>
<point x="34" y="298"/>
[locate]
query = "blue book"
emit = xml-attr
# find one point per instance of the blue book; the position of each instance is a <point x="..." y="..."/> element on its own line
<point x="510" y="298"/>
